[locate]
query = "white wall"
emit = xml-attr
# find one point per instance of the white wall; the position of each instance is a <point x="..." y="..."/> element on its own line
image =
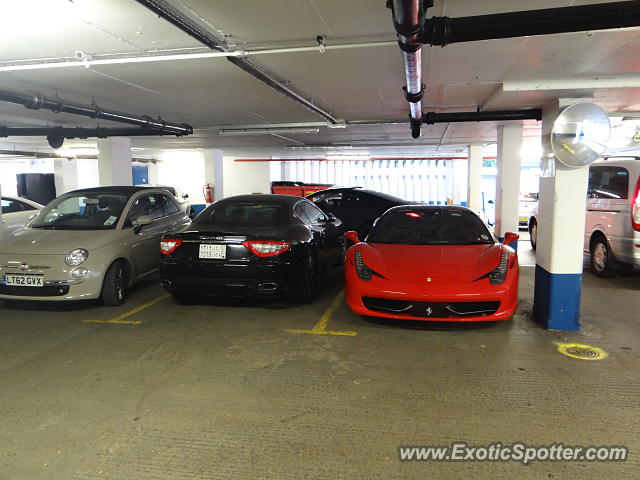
<point x="246" y="177"/>
<point x="184" y="170"/>
<point x="88" y="173"/>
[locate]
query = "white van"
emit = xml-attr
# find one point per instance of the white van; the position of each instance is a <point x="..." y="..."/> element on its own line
<point x="612" y="227"/>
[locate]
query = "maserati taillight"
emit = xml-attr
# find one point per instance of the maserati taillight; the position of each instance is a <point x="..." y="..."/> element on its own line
<point x="635" y="207"/>
<point x="169" y="245"/>
<point x="266" y="248"/>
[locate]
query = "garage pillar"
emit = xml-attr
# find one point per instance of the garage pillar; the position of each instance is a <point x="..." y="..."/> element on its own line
<point x="65" y="174"/>
<point x="474" y="178"/>
<point x="214" y="172"/>
<point x="508" y="179"/>
<point x="561" y="221"/>
<point x="114" y="161"/>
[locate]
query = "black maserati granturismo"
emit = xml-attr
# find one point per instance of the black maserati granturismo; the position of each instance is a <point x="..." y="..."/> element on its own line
<point x="252" y="246"/>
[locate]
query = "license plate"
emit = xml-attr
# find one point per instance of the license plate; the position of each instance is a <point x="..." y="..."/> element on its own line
<point x="213" y="251"/>
<point x="23" y="280"/>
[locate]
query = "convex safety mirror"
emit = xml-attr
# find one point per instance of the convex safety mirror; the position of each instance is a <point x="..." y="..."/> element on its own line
<point x="580" y="134"/>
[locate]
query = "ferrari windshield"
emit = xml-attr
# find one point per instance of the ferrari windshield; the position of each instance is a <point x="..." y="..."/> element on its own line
<point x="430" y="226"/>
<point x="82" y="211"/>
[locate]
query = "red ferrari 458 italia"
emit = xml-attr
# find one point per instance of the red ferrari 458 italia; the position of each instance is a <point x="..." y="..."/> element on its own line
<point x="432" y="263"/>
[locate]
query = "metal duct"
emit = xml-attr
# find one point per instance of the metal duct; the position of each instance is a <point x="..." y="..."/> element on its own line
<point x="79" y="132"/>
<point x="408" y="20"/>
<point x="57" y="105"/>
<point x="174" y="16"/>
<point x="478" y="116"/>
<point x="442" y="31"/>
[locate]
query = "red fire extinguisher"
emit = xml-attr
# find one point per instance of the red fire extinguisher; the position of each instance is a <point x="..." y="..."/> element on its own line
<point x="208" y="193"/>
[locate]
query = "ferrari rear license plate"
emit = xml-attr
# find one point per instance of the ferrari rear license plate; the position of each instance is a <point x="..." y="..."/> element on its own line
<point x="215" y="251"/>
<point x="23" y="280"/>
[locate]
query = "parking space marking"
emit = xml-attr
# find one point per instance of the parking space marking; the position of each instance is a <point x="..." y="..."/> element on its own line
<point x="121" y="319"/>
<point x="320" y="328"/>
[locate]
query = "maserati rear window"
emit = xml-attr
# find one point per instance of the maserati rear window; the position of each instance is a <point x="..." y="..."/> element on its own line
<point x="430" y="227"/>
<point x="242" y="213"/>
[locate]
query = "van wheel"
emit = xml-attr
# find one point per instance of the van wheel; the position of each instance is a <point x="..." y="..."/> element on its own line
<point x="114" y="286"/>
<point x="601" y="262"/>
<point x="533" y="233"/>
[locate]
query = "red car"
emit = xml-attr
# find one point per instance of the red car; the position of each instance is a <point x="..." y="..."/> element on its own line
<point x="432" y="263"/>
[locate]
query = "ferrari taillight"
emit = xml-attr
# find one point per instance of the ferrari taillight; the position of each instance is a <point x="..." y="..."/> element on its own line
<point x="635" y="207"/>
<point x="266" y="248"/>
<point x="169" y="245"/>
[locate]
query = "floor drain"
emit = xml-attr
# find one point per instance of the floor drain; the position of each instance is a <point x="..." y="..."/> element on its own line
<point x="582" y="352"/>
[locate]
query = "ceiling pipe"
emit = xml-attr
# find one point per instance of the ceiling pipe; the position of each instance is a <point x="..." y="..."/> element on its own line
<point x="408" y="20"/>
<point x="58" y="105"/>
<point x="414" y="30"/>
<point x="441" y="31"/>
<point x="171" y="14"/>
<point x="431" y="118"/>
<point x="78" y="132"/>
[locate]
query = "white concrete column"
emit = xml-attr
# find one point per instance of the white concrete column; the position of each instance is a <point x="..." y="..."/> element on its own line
<point x="508" y="178"/>
<point x="474" y="178"/>
<point x="560" y="236"/>
<point x="114" y="161"/>
<point x="214" y="172"/>
<point x="65" y="174"/>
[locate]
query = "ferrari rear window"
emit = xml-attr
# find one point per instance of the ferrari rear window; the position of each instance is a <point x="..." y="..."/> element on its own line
<point x="430" y="227"/>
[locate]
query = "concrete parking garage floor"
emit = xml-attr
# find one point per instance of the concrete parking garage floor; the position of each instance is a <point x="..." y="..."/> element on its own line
<point x="222" y="390"/>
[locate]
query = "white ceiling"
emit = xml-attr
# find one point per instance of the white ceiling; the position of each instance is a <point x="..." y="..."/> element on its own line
<point x="353" y="84"/>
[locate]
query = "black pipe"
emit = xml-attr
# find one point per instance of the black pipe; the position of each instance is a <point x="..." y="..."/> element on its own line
<point x="442" y="31"/>
<point x="80" y="132"/>
<point x="175" y="17"/>
<point x="479" y="116"/>
<point x="37" y="101"/>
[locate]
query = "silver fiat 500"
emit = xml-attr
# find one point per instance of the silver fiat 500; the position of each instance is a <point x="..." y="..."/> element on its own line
<point x="88" y="244"/>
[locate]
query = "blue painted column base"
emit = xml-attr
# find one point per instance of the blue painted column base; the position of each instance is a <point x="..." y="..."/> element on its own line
<point x="556" y="299"/>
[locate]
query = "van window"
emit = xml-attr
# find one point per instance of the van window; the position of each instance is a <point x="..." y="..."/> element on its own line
<point x="608" y="182"/>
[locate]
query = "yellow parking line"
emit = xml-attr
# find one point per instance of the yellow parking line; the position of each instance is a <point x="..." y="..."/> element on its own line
<point x="320" y="328"/>
<point x="120" y="319"/>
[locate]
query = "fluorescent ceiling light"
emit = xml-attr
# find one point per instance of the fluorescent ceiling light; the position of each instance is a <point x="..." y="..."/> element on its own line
<point x="265" y="131"/>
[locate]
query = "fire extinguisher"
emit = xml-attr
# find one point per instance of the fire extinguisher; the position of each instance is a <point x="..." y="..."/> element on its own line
<point x="208" y="193"/>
